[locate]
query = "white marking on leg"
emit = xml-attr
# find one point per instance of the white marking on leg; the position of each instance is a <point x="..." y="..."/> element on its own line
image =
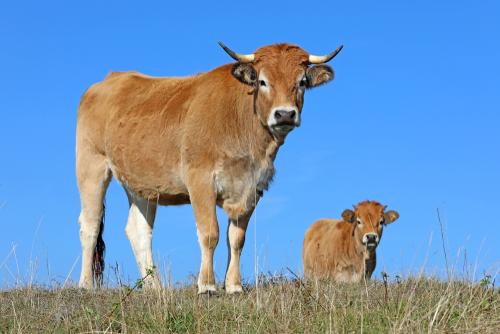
<point x="204" y="288"/>
<point x="234" y="288"/>
<point x="89" y="231"/>
<point x="206" y="261"/>
<point x="139" y="231"/>
<point x="233" y="276"/>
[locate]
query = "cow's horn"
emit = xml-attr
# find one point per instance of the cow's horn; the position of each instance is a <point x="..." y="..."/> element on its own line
<point x="324" y="59"/>
<point x="240" y="58"/>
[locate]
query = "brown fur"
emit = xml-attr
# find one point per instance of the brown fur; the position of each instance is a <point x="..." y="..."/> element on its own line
<point x="333" y="249"/>
<point x="202" y="140"/>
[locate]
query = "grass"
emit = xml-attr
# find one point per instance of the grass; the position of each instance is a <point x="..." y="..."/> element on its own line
<point x="281" y="305"/>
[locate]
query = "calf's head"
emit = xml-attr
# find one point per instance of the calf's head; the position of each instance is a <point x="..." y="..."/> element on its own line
<point x="279" y="75"/>
<point x="369" y="219"/>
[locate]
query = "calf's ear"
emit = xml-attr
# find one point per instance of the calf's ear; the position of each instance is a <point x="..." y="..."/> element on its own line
<point x="348" y="215"/>
<point x="245" y="73"/>
<point x="390" y="217"/>
<point x="318" y="75"/>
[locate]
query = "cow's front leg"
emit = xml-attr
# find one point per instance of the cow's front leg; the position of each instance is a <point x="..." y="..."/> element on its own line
<point x="236" y="230"/>
<point x="203" y="199"/>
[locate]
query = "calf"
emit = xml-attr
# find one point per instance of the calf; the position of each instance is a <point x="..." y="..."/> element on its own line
<point x="344" y="250"/>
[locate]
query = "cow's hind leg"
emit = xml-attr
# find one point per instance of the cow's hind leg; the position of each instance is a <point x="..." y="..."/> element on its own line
<point x="93" y="177"/>
<point x="139" y="231"/>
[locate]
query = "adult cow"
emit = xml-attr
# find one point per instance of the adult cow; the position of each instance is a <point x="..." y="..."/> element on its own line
<point x="209" y="139"/>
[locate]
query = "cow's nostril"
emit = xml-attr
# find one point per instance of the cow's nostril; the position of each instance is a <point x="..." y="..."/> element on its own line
<point x="371" y="238"/>
<point x="286" y="116"/>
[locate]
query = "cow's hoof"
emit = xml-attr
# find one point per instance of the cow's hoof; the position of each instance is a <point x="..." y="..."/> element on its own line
<point x="234" y="289"/>
<point x="206" y="289"/>
<point x="86" y="285"/>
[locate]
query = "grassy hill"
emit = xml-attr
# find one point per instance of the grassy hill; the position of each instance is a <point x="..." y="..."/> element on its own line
<point x="278" y="305"/>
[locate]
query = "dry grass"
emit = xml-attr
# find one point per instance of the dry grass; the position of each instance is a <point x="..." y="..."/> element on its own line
<point x="281" y="305"/>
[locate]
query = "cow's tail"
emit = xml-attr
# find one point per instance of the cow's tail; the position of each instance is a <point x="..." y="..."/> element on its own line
<point x="99" y="251"/>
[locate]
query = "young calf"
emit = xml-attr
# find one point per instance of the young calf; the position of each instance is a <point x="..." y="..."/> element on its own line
<point x="344" y="250"/>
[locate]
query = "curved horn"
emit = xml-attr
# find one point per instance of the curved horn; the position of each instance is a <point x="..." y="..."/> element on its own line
<point x="240" y="58"/>
<point x="324" y="59"/>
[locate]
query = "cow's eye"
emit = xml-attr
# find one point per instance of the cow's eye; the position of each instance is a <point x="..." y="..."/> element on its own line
<point x="262" y="83"/>
<point x="359" y="221"/>
<point x="303" y="83"/>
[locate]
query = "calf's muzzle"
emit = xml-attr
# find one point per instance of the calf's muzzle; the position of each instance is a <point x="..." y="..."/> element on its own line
<point x="370" y="240"/>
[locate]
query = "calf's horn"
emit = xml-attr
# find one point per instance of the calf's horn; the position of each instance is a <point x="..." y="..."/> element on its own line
<point x="240" y="58"/>
<point x="324" y="59"/>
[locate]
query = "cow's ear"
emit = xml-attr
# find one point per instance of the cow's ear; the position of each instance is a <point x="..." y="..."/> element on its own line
<point x="318" y="75"/>
<point x="245" y="73"/>
<point x="348" y="215"/>
<point x="390" y="217"/>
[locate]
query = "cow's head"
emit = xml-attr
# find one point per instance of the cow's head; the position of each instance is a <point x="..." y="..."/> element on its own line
<point x="279" y="75"/>
<point x="369" y="219"/>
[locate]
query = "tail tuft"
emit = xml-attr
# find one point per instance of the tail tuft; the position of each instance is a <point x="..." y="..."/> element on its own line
<point x="99" y="252"/>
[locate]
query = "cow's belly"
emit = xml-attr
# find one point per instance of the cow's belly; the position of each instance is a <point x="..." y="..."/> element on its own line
<point x="327" y="266"/>
<point x="161" y="185"/>
<point x="145" y="158"/>
<point x="142" y="148"/>
<point x="348" y="275"/>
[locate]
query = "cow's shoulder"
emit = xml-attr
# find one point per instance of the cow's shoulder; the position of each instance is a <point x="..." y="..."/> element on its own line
<point x="322" y="227"/>
<point x="327" y="222"/>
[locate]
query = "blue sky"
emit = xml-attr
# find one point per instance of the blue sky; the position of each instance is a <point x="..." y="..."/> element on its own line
<point x="412" y="120"/>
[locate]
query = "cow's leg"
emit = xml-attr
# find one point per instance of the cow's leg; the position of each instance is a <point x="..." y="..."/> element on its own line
<point x="93" y="178"/>
<point x="236" y="230"/>
<point x="139" y="231"/>
<point x="203" y="199"/>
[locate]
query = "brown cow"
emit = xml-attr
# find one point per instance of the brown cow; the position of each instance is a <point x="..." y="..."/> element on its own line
<point x="344" y="250"/>
<point x="209" y="139"/>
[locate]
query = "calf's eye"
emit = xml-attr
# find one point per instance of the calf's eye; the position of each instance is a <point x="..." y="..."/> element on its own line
<point x="262" y="83"/>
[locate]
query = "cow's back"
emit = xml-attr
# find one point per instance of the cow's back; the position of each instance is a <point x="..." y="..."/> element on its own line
<point x="135" y="121"/>
<point x="318" y="247"/>
<point x="125" y="97"/>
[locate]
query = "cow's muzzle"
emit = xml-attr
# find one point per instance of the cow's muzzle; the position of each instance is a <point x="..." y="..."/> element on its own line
<point x="284" y="120"/>
<point x="283" y="128"/>
<point x="370" y="240"/>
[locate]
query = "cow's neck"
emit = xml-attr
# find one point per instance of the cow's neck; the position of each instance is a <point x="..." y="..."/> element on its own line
<point x="370" y="262"/>
<point x="364" y="258"/>
<point x="270" y="146"/>
<point x="262" y="143"/>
